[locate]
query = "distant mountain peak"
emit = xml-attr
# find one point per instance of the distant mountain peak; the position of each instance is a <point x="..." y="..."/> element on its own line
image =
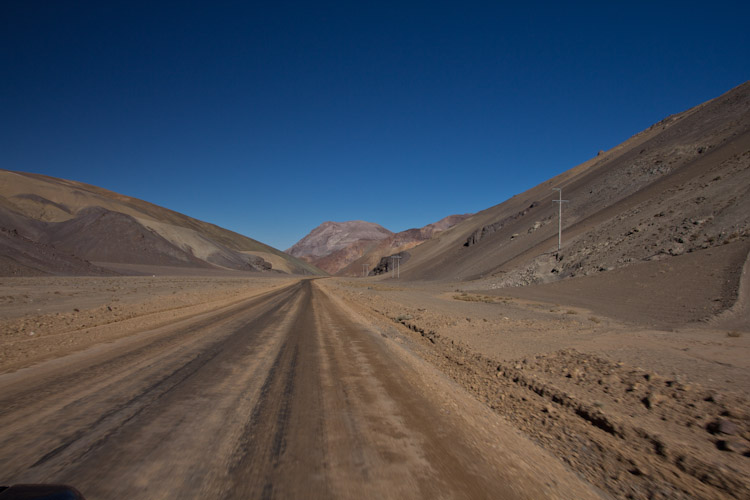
<point x="332" y="236"/>
<point x="333" y="246"/>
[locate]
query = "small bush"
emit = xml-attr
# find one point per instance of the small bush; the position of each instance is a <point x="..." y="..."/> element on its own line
<point x="474" y="298"/>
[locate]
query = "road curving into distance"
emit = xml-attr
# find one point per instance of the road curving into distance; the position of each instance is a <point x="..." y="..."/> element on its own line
<point x="286" y="395"/>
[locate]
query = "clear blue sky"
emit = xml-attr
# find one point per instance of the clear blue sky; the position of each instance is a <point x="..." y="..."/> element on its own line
<point x="269" y="118"/>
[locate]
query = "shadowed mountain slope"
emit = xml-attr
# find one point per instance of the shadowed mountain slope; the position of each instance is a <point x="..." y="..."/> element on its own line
<point x="20" y="256"/>
<point x="93" y="224"/>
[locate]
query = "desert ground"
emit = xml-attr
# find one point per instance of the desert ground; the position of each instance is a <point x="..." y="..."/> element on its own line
<point x="274" y="386"/>
<point x="227" y="387"/>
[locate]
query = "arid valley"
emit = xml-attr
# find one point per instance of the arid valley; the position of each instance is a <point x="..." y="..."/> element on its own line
<point x="148" y="354"/>
<point x="386" y="388"/>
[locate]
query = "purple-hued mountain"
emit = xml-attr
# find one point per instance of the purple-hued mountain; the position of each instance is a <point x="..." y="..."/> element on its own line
<point x="342" y="247"/>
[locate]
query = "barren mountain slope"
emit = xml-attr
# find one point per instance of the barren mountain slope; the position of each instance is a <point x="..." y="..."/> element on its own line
<point x="680" y="186"/>
<point x="399" y="243"/>
<point x="108" y="228"/>
<point x="20" y="256"/>
<point x="331" y="236"/>
<point x="343" y="248"/>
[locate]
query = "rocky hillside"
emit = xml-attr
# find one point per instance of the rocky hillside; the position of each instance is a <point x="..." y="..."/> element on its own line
<point x="331" y="237"/>
<point x="56" y="226"/>
<point x="343" y="248"/>
<point x="681" y="186"/>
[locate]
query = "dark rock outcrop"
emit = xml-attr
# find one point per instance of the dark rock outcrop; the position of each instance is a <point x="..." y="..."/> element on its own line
<point x="386" y="263"/>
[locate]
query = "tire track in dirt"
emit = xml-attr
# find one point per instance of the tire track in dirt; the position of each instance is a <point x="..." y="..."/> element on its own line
<point x="281" y="449"/>
<point x="87" y="423"/>
<point x="287" y="396"/>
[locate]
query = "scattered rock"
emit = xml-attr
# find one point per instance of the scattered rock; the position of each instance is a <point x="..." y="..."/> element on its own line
<point x="610" y="379"/>
<point x="653" y="399"/>
<point x="723" y="426"/>
<point x="734" y="445"/>
<point x="634" y="387"/>
<point x="711" y="398"/>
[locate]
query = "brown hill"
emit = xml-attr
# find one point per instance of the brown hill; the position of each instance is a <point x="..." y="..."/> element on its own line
<point x="342" y="248"/>
<point x="680" y="187"/>
<point x="20" y="256"/>
<point x="342" y="238"/>
<point x="101" y="235"/>
<point x="56" y="226"/>
<point x="399" y="243"/>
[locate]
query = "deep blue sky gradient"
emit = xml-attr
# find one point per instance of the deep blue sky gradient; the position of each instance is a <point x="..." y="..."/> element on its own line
<point x="269" y="118"/>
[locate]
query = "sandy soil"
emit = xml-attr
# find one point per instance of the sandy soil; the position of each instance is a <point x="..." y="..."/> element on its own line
<point x="47" y="317"/>
<point x="221" y="387"/>
<point x="641" y="411"/>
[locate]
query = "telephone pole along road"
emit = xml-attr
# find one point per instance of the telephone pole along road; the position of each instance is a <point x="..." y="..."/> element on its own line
<point x="289" y="394"/>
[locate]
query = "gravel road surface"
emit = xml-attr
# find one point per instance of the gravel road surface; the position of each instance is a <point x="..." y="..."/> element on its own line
<point x="285" y="395"/>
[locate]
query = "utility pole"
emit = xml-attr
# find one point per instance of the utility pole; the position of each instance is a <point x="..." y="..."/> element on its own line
<point x="364" y="270"/>
<point x="559" y="201"/>
<point x="394" y="260"/>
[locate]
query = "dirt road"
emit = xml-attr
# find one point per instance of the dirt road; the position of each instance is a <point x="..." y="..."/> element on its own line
<point x="285" y="395"/>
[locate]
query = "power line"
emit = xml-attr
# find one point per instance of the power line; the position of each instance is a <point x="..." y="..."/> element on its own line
<point x="397" y="259"/>
<point x="559" y="201"/>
